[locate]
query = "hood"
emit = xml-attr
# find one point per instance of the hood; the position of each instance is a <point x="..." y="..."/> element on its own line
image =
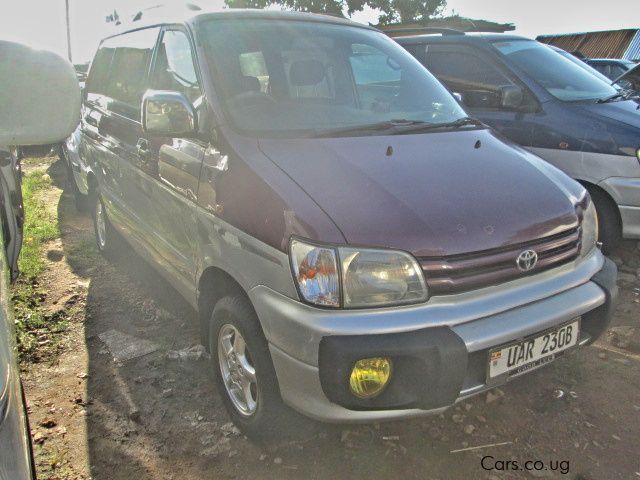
<point x="440" y="193"/>
<point x="625" y="111"/>
<point x="630" y="80"/>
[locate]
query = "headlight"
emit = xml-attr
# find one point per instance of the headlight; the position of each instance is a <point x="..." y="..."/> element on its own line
<point x="315" y="270"/>
<point x="366" y="278"/>
<point x="589" y="229"/>
<point x="373" y="278"/>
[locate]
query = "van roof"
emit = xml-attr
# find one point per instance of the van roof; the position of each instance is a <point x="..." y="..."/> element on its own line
<point x="171" y="17"/>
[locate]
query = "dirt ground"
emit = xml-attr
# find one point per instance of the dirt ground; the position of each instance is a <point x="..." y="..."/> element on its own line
<point x="159" y="417"/>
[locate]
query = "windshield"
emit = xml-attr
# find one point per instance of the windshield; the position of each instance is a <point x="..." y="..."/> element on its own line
<point x="561" y="77"/>
<point x="299" y="78"/>
<point x="585" y="66"/>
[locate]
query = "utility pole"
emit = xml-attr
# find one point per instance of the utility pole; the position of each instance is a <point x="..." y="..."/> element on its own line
<point x="66" y="6"/>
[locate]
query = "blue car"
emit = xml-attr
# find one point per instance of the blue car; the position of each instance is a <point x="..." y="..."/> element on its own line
<point x="551" y="106"/>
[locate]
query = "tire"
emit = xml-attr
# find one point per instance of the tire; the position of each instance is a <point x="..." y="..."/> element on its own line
<point x="106" y="236"/>
<point x="27" y="429"/>
<point x="233" y="323"/>
<point x="82" y="202"/>
<point x="609" y="225"/>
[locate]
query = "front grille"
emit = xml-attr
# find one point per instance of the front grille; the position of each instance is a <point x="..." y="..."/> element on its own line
<point x="469" y="271"/>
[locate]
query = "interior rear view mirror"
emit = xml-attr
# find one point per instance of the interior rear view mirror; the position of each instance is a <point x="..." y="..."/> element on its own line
<point x="39" y="98"/>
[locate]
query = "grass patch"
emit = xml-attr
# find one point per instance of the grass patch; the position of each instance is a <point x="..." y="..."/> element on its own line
<point x="36" y="333"/>
<point x="40" y="223"/>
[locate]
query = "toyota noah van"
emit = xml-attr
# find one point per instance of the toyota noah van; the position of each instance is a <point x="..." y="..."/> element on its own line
<point x="356" y="246"/>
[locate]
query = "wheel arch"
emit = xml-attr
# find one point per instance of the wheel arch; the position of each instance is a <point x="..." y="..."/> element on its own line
<point x="592" y="187"/>
<point x="215" y="283"/>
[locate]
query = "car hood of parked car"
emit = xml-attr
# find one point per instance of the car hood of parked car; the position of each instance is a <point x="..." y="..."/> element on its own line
<point x="437" y="193"/>
<point x="624" y="111"/>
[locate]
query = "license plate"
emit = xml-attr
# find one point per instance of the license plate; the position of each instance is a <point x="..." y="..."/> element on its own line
<point x="531" y="353"/>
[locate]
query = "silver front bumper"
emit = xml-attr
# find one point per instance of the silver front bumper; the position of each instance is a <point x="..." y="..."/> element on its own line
<point x="482" y="319"/>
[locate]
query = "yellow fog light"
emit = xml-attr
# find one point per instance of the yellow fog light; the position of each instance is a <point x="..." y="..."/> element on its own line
<point x="369" y="376"/>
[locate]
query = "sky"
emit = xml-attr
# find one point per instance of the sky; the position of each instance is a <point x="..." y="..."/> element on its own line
<point x="41" y="23"/>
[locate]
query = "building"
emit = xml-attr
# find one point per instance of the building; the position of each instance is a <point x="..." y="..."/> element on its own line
<point x="607" y="44"/>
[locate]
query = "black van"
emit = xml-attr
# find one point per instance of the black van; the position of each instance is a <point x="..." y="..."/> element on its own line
<point x="551" y="106"/>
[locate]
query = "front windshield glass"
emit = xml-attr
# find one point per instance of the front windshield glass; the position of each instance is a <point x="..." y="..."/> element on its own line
<point x="585" y="66"/>
<point x="300" y="78"/>
<point x="561" y="77"/>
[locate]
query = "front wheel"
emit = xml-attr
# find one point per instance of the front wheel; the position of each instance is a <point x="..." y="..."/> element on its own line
<point x="243" y="369"/>
<point x="104" y="232"/>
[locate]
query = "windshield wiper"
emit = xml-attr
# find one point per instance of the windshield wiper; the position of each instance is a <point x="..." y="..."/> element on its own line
<point x="611" y="98"/>
<point x="424" y="126"/>
<point x="399" y="126"/>
<point x="370" y="127"/>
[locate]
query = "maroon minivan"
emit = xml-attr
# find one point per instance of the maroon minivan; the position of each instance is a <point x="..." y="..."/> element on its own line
<point x="357" y="247"/>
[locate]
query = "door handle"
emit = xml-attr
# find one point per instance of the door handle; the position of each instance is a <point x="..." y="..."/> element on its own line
<point x="143" y="147"/>
<point x="90" y="120"/>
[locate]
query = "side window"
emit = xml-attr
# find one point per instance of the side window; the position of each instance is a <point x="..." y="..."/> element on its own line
<point x="129" y="68"/>
<point x="174" y="68"/>
<point x="252" y="65"/>
<point x="98" y="78"/>
<point x="469" y="73"/>
<point x="377" y="78"/>
<point x="417" y="50"/>
<point x="616" y="71"/>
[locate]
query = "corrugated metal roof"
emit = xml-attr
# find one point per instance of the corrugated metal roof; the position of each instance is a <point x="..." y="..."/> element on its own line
<point x="633" y="52"/>
<point x="607" y="44"/>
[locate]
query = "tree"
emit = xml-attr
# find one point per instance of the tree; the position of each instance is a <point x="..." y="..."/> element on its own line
<point x="405" y="11"/>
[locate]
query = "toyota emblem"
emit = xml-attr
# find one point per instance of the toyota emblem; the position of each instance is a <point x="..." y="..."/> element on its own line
<point x="527" y="260"/>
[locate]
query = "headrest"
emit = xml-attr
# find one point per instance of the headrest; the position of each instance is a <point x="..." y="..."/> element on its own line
<point x="306" y="72"/>
<point x="249" y="84"/>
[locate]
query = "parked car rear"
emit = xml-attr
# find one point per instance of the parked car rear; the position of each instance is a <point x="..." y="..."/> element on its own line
<point x="356" y="246"/>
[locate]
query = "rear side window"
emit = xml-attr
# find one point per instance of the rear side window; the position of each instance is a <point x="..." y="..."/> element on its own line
<point x="98" y="79"/>
<point x="129" y="66"/>
<point x="120" y="70"/>
<point x="174" y="68"/>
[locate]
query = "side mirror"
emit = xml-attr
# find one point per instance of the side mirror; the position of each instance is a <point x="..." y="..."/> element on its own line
<point x="39" y="98"/>
<point x="511" y="97"/>
<point x="168" y="114"/>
